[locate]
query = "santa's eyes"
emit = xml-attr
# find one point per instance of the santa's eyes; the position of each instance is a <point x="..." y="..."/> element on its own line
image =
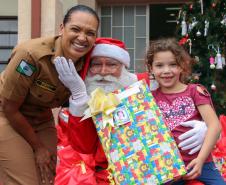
<point x="100" y="64"/>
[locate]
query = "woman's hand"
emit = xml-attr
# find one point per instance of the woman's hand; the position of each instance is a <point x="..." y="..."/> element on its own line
<point x="46" y="164"/>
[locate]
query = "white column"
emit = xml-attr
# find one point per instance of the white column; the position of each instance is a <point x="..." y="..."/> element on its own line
<point x="51" y="17"/>
<point x="24" y="20"/>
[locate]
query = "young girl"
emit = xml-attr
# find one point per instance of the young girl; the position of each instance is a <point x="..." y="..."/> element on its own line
<point x="169" y="63"/>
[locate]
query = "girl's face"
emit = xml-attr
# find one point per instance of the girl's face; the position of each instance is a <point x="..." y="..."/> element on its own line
<point x="78" y="34"/>
<point x="166" y="70"/>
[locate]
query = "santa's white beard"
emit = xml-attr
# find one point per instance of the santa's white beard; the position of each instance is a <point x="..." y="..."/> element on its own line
<point x="109" y="83"/>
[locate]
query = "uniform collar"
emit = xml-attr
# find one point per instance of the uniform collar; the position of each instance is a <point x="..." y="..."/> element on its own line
<point x="58" y="51"/>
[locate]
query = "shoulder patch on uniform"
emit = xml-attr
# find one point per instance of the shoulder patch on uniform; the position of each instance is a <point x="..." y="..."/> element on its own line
<point x="25" y="68"/>
<point x="45" y="85"/>
<point x="202" y="90"/>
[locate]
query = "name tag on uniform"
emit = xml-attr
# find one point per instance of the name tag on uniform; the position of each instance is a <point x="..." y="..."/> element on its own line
<point x="45" y="85"/>
<point x="25" y="68"/>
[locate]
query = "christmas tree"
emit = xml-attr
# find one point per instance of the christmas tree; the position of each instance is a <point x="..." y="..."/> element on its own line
<point x="202" y="30"/>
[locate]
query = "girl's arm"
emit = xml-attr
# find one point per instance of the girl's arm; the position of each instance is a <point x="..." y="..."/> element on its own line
<point x="213" y="131"/>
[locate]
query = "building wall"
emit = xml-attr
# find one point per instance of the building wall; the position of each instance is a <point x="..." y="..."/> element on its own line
<point x="67" y="4"/>
<point x="52" y="12"/>
<point x="8" y="7"/>
<point x="90" y="3"/>
<point x="104" y="2"/>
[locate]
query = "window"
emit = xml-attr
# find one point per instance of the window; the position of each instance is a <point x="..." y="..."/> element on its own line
<point x="129" y="24"/>
<point x="8" y="38"/>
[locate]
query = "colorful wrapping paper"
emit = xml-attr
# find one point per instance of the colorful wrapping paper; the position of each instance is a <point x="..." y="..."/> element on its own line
<point x="139" y="147"/>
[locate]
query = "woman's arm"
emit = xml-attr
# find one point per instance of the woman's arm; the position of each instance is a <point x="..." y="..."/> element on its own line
<point x="20" y="123"/>
<point x="22" y="126"/>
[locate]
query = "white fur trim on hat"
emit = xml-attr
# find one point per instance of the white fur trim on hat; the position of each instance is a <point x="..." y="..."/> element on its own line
<point x="112" y="51"/>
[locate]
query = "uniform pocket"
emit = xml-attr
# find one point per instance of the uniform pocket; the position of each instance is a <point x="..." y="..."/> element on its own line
<point x="42" y="95"/>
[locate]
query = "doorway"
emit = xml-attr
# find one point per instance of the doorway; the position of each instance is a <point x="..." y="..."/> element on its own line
<point x="163" y="20"/>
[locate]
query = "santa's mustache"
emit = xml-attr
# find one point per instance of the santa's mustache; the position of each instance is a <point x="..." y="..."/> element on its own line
<point x="99" y="78"/>
<point x="109" y="83"/>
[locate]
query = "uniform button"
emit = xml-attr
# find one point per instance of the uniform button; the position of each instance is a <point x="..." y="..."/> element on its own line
<point x="39" y="95"/>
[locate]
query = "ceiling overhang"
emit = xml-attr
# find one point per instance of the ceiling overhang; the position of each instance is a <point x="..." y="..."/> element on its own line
<point x="106" y="2"/>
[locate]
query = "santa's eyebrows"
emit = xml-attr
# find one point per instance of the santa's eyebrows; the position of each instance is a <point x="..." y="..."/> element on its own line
<point x="106" y="62"/>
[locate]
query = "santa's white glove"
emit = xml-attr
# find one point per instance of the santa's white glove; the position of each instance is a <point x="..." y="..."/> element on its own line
<point x="71" y="79"/>
<point x="193" y="139"/>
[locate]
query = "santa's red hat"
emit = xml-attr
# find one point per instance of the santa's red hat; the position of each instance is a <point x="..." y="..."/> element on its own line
<point x="112" y="48"/>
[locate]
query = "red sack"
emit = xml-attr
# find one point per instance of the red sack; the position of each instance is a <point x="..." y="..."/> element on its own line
<point x="219" y="152"/>
<point x="220" y="149"/>
<point x="194" y="182"/>
<point x="62" y="139"/>
<point x="223" y="124"/>
<point x="62" y="127"/>
<point x="74" y="168"/>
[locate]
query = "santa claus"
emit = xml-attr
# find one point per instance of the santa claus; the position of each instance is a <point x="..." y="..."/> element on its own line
<point x="108" y="69"/>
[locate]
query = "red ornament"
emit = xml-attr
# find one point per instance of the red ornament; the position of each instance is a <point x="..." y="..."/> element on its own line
<point x="213" y="5"/>
<point x="191" y="6"/>
<point x="183" y="40"/>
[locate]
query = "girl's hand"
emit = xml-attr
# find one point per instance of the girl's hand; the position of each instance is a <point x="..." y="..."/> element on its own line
<point x="46" y="164"/>
<point x="194" y="168"/>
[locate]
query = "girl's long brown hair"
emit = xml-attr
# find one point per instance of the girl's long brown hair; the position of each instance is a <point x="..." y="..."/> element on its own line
<point x="183" y="59"/>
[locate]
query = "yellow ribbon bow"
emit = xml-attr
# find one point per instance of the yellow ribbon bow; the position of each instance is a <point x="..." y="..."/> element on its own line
<point x="102" y="103"/>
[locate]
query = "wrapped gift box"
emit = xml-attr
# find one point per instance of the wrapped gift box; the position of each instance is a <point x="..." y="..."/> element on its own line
<point x="138" y="145"/>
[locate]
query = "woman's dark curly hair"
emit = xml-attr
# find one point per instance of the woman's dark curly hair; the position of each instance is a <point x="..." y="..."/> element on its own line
<point x="183" y="59"/>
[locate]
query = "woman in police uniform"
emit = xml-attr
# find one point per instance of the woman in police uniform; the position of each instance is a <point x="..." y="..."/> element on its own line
<point x="29" y="89"/>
